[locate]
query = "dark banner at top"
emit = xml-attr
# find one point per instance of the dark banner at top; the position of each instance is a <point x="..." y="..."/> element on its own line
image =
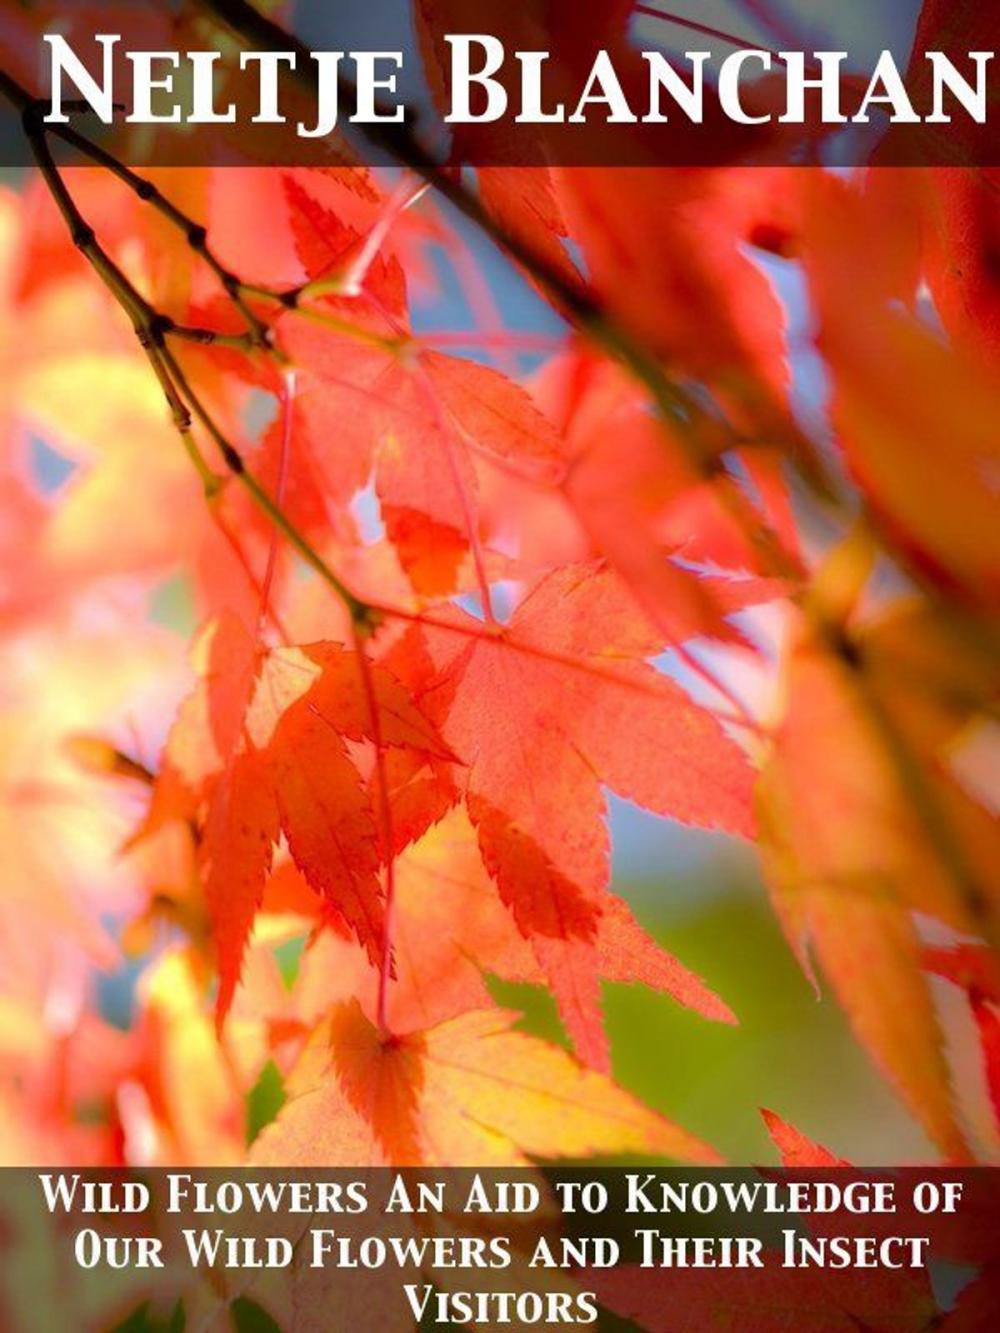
<point x="448" y="83"/>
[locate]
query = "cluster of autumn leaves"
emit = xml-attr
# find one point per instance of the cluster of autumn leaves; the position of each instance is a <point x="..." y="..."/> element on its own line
<point x="392" y="732"/>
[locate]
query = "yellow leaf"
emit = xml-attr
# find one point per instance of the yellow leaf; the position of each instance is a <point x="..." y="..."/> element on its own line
<point x="470" y="1091"/>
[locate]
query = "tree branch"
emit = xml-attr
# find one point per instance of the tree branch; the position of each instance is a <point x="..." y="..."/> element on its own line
<point x="150" y="329"/>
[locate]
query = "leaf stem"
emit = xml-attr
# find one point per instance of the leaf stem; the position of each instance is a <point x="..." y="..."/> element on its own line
<point x="287" y="408"/>
<point x="385" y="824"/>
<point x="362" y="615"/>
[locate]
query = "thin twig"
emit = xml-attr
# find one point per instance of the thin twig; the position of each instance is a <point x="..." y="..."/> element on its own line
<point x="150" y="329"/>
<point x="194" y="233"/>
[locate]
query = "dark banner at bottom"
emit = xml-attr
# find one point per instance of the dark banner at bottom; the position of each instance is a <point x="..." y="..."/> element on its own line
<point x="683" y="1251"/>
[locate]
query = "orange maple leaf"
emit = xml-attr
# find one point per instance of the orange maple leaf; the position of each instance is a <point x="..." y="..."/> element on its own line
<point x="468" y="1092"/>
